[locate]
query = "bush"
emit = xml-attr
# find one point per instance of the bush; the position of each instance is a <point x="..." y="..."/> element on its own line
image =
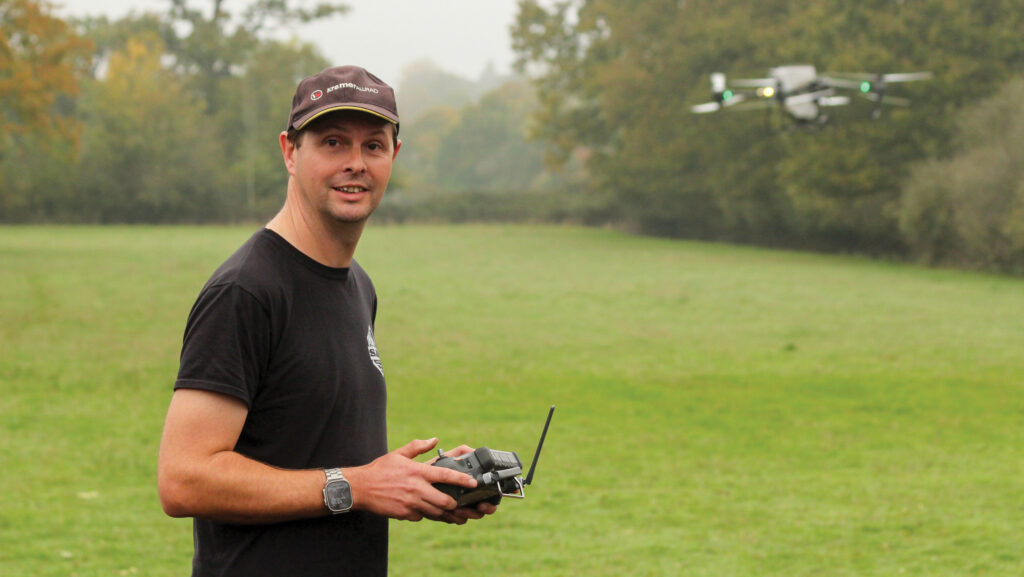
<point x="968" y="210"/>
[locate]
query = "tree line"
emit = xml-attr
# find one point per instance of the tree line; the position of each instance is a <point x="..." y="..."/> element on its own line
<point x="173" y="116"/>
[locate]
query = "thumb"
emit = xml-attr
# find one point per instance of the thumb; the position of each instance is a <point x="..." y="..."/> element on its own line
<point x="416" y="447"/>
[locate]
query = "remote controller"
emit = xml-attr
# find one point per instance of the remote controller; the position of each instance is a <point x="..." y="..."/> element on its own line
<point x="497" y="473"/>
<point x="494" y="471"/>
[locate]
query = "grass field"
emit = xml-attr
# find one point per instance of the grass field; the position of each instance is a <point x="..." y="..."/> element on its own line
<point x="721" y="411"/>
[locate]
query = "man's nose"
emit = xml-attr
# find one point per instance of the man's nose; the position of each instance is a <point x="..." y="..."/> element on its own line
<point x="354" y="161"/>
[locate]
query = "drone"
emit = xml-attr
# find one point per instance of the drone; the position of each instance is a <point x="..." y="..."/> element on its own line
<point x="803" y="94"/>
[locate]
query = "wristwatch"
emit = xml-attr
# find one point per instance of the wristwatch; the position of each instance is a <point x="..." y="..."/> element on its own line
<point x="337" y="492"/>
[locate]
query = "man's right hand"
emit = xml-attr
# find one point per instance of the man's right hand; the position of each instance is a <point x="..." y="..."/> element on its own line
<point x="396" y="486"/>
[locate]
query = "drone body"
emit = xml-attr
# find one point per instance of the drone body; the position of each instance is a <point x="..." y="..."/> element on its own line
<point x="802" y="93"/>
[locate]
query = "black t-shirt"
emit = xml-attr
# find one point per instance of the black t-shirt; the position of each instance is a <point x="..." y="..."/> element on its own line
<point x="293" y="339"/>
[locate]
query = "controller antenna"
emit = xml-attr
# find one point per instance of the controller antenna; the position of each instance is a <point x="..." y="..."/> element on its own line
<point x="529" y="477"/>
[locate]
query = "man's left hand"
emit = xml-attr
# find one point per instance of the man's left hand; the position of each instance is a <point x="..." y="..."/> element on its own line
<point x="462" y="514"/>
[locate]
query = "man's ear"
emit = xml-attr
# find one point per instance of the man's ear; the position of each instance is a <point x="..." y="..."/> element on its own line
<point x="398" y="145"/>
<point x="288" y="152"/>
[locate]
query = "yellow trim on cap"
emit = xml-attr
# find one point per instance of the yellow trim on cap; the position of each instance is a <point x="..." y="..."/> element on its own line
<point x="337" y="108"/>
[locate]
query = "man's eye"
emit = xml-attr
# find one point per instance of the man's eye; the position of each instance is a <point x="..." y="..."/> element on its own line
<point x="332" y="142"/>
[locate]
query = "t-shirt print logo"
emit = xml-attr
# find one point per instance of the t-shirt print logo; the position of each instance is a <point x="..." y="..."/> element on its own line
<point x="372" y="346"/>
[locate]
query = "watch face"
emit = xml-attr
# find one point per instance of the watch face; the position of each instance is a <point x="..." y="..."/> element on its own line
<point x="338" y="496"/>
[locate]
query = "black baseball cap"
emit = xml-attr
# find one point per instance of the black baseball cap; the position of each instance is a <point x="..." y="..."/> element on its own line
<point x="342" y="88"/>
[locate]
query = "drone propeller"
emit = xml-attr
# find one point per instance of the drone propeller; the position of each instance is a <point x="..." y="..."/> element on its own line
<point x="706" y="108"/>
<point x="906" y="76"/>
<point x="884" y="78"/>
<point x="873" y="86"/>
<point x="868" y="83"/>
<point x="724" y="97"/>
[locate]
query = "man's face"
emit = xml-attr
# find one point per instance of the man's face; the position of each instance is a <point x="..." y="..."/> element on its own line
<point x="341" y="165"/>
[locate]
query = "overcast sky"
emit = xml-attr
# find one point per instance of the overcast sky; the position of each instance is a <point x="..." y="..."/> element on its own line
<point x="461" y="36"/>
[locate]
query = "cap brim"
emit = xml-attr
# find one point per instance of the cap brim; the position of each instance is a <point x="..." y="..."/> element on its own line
<point x="317" y="114"/>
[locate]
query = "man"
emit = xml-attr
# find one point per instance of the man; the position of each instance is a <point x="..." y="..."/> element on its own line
<point x="275" y="439"/>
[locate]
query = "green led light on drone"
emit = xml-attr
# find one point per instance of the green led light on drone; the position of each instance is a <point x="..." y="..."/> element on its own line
<point x="726" y="95"/>
<point x="865" y="87"/>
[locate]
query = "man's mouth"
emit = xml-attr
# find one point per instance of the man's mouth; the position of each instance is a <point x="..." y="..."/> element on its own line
<point x="350" y="189"/>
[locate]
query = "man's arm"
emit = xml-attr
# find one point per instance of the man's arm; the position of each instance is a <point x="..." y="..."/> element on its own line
<point x="200" y="474"/>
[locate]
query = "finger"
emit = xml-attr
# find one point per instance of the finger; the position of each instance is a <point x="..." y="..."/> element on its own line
<point x="467" y="513"/>
<point x="431" y="511"/>
<point x="440" y="500"/>
<point x="454" y="453"/>
<point x="449" y="476"/>
<point x="416" y="447"/>
<point x="449" y="518"/>
<point x="486" y="508"/>
<point x="460" y="451"/>
<point x="454" y="518"/>
<point x="423" y="509"/>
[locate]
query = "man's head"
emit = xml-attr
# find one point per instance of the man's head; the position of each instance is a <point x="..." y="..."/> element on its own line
<point x="340" y="144"/>
<point x="337" y="89"/>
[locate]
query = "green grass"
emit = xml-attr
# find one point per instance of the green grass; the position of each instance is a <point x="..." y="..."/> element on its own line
<point x="721" y="410"/>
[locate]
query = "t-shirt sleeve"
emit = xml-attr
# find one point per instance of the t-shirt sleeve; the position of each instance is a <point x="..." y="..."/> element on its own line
<point x="226" y="343"/>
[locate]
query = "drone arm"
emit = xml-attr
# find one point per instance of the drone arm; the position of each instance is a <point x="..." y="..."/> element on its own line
<point x="841" y="82"/>
<point x="754" y="82"/>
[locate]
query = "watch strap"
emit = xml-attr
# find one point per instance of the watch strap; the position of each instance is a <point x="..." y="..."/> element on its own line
<point x="334" y="475"/>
